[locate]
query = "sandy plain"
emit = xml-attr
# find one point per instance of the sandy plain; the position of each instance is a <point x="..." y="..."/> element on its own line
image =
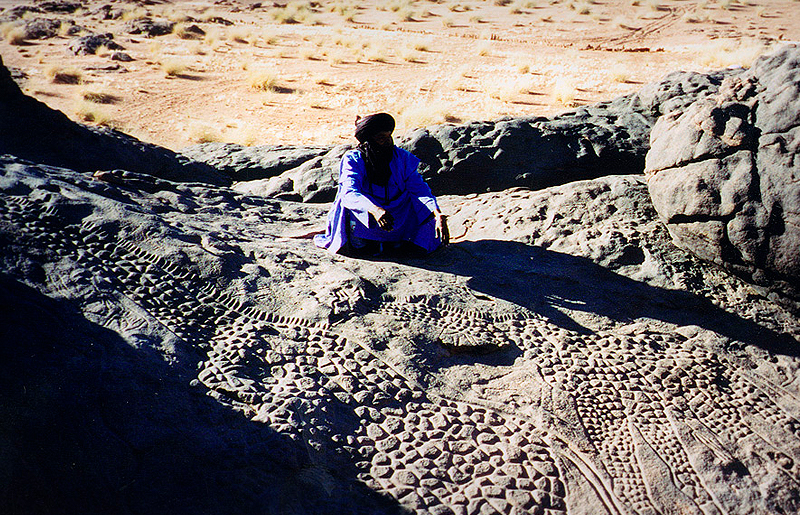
<point x="299" y="73"/>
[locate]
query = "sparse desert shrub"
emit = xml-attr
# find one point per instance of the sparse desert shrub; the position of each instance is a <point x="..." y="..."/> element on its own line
<point x="96" y="96"/>
<point x="263" y="80"/>
<point x="410" y="55"/>
<point x="508" y="90"/>
<point x="520" y="64"/>
<point x="427" y="112"/>
<point x="502" y="3"/>
<point x="563" y="91"/>
<point x="398" y="5"/>
<point x="202" y="133"/>
<point x="696" y="17"/>
<point x="294" y="12"/>
<point x="731" y="53"/>
<point x="335" y="56"/>
<point x="198" y="48"/>
<point x="406" y="14"/>
<point x="16" y="35"/>
<point x="186" y="31"/>
<point x="66" y="29"/>
<point x="448" y="22"/>
<point x="173" y="67"/>
<point x="376" y="54"/>
<point x="91" y="112"/>
<point x="503" y="91"/>
<point x="135" y="13"/>
<point x="483" y="47"/>
<point x="619" y="74"/>
<point x="624" y="23"/>
<point x="174" y="15"/>
<point x="309" y="54"/>
<point x="242" y="35"/>
<point x="583" y="9"/>
<point x="61" y="75"/>
<point x="421" y="46"/>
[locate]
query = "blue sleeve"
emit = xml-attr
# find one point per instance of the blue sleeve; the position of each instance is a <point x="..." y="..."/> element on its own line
<point x="414" y="183"/>
<point x="351" y="186"/>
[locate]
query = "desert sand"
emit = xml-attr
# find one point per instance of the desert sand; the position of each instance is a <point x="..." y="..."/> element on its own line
<point x="263" y="80"/>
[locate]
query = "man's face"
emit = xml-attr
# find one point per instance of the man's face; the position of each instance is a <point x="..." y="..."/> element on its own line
<point x="383" y="139"/>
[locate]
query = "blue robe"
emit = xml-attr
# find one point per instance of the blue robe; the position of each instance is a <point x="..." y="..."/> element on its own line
<point x="406" y="197"/>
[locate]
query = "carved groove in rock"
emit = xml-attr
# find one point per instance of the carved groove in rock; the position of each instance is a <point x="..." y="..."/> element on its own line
<point x="647" y="423"/>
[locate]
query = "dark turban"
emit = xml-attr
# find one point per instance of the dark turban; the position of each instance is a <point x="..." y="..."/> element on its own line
<point x="369" y="126"/>
<point x="376" y="158"/>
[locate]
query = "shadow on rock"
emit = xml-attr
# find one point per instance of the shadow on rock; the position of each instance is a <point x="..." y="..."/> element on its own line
<point x="90" y="424"/>
<point x="566" y="289"/>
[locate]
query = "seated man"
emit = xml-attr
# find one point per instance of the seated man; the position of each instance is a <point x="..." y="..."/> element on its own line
<point x="382" y="199"/>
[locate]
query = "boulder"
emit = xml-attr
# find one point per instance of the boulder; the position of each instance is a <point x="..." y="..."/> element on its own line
<point x="243" y="163"/>
<point x="59" y="6"/>
<point x="149" y="27"/>
<point x="88" y="45"/>
<point x="313" y="181"/>
<point x="33" y="131"/>
<point x="724" y="177"/>
<point x="42" y="28"/>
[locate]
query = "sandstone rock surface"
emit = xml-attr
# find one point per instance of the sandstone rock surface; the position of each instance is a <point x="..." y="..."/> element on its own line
<point x="196" y="353"/>
<point x="724" y="175"/>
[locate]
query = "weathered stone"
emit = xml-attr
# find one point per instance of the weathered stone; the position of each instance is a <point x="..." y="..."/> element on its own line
<point x="723" y="175"/>
<point x="243" y="163"/>
<point x="149" y="27"/>
<point x="42" y="28"/>
<point x="88" y="45"/>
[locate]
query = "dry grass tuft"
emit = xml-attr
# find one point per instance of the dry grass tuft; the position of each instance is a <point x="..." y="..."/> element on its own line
<point x="98" y="97"/>
<point x="135" y="13"/>
<point x="295" y="12"/>
<point x="564" y="92"/>
<point x="61" y="75"/>
<point x="173" y="67"/>
<point x="242" y="35"/>
<point x="201" y="133"/>
<point x="425" y="113"/>
<point x="13" y="32"/>
<point x="732" y="53"/>
<point x="91" y="112"/>
<point x="186" y="31"/>
<point x="265" y="80"/>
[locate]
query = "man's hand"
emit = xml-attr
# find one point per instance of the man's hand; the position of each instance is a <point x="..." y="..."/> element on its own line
<point x="442" y="231"/>
<point x="383" y="218"/>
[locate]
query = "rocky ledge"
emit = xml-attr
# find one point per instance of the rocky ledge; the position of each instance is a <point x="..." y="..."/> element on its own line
<point x="725" y="177"/>
<point x="173" y="345"/>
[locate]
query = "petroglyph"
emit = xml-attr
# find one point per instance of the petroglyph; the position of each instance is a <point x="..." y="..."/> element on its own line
<point x="510" y="411"/>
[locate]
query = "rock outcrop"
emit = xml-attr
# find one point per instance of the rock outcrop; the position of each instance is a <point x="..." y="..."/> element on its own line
<point x="32" y="131"/>
<point x="593" y="141"/>
<point x="724" y="175"/>
<point x="195" y="352"/>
